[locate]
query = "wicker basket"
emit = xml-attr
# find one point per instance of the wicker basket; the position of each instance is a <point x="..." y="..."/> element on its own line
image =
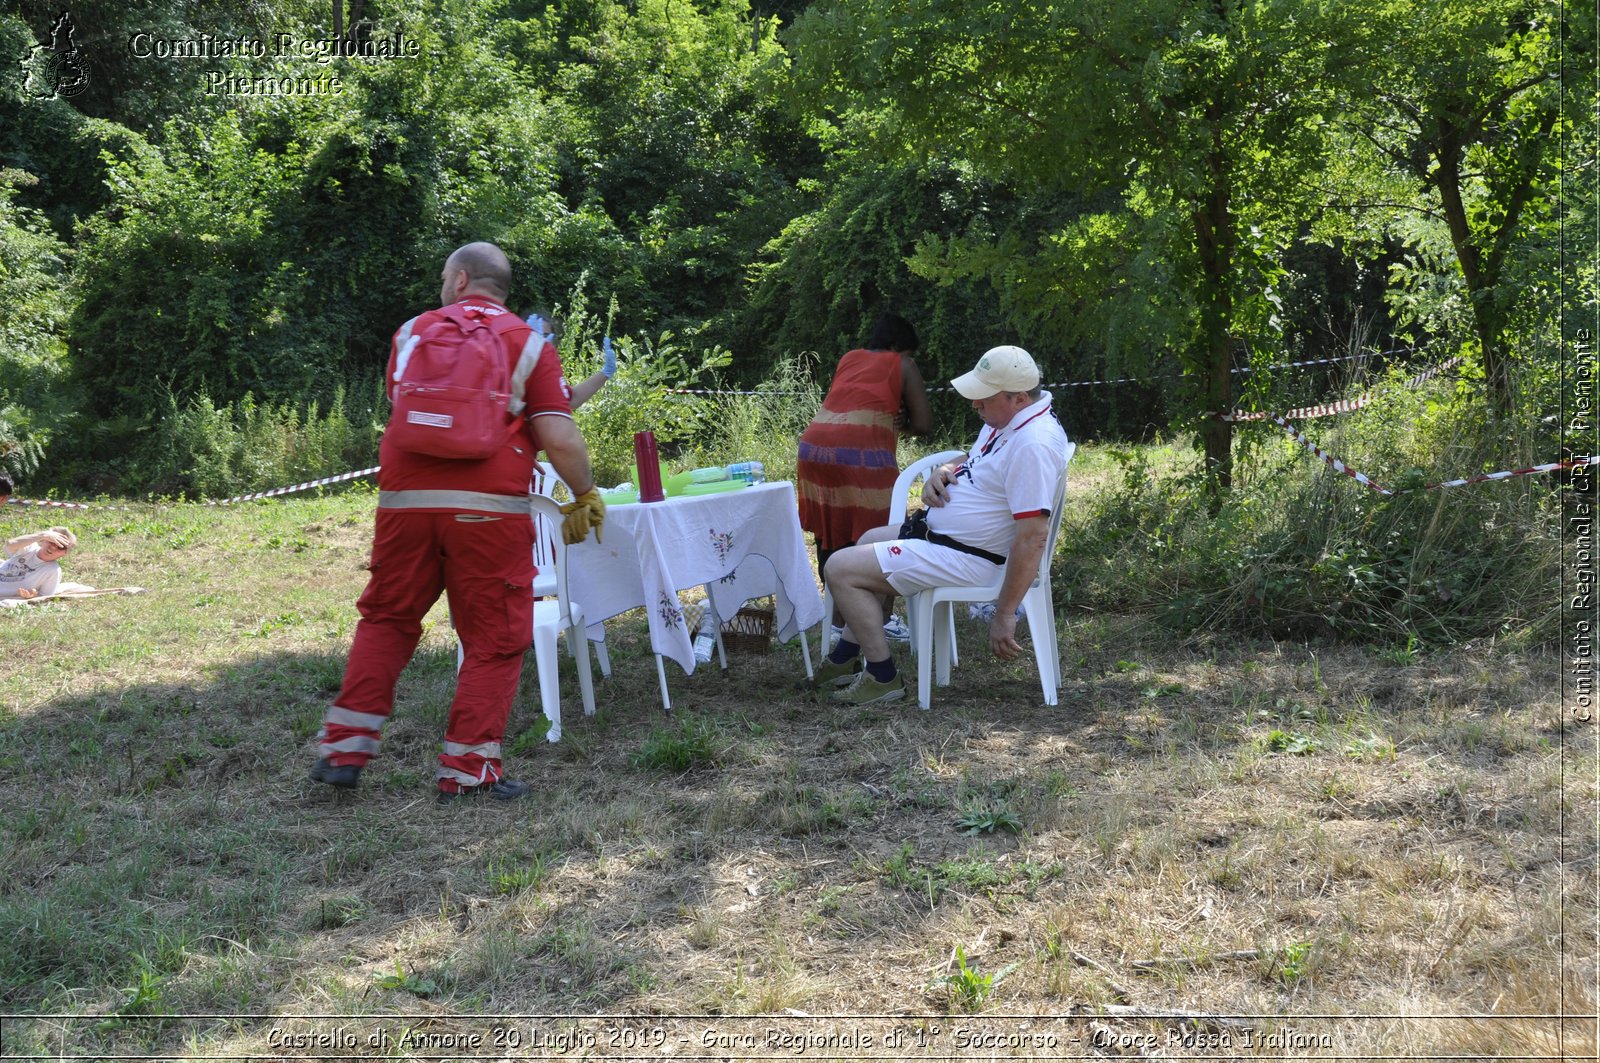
<point x="749" y="630"/>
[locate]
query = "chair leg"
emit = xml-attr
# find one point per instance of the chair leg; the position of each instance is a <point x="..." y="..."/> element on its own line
<point x="603" y="655"/>
<point x="548" y="662"/>
<point x="955" y="653"/>
<point x="461" y="655"/>
<point x="921" y="606"/>
<point x="944" y="640"/>
<point x="1046" y="646"/>
<point x="825" y="631"/>
<point x="580" y="643"/>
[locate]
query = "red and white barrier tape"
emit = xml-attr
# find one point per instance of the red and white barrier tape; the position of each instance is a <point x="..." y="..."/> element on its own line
<point x="46" y="503"/>
<point x="1328" y="459"/>
<point x="1341" y="406"/>
<point x="341" y="478"/>
<point x="1362" y="478"/>
<point x="1095" y="383"/>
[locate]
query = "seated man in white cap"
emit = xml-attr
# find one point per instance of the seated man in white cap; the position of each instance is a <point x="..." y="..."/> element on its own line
<point x="987" y="511"/>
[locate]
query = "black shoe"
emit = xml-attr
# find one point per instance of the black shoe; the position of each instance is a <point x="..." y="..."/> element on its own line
<point x="344" y="776"/>
<point x="503" y="790"/>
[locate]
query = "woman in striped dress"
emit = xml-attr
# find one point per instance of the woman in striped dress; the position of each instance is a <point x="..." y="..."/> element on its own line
<point x="847" y="467"/>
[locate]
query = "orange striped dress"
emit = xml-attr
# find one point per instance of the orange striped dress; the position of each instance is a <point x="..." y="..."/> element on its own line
<point x="846" y="469"/>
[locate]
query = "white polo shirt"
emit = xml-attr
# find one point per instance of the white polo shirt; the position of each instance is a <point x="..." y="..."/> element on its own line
<point x="1010" y="474"/>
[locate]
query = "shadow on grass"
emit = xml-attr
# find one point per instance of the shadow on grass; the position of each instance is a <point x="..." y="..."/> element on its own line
<point x="166" y="854"/>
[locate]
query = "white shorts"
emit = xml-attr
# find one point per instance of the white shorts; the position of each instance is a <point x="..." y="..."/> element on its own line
<point x="912" y="565"/>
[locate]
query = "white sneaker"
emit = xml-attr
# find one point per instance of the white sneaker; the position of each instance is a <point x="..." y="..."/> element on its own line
<point x="895" y="629"/>
<point x="983" y="612"/>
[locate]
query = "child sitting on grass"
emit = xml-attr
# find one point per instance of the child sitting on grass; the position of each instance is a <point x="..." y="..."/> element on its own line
<point x="32" y="566"/>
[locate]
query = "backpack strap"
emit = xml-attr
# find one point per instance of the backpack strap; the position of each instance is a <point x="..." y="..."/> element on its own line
<point x="527" y="362"/>
<point x="405" y="342"/>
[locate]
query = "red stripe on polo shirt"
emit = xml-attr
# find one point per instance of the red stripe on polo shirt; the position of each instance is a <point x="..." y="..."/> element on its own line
<point x="1030" y="513"/>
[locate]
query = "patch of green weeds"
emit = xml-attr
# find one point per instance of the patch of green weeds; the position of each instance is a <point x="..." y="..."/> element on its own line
<point x="530" y="739"/>
<point x="334" y="912"/>
<point x="1294" y="963"/>
<point x="1369" y="747"/>
<point x="980" y="819"/>
<point x="143" y="998"/>
<point x="968" y="987"/>
<point x="512" y="876"/>
<point x="1403" y="656"/>
<point x="976" y="874"/>
<point x="687" y="744"/>
<point x="414" y="984"/>
<point x="1294" y="743"/>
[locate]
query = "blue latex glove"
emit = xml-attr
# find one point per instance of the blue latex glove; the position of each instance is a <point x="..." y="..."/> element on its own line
<point x="609" y="368"/>
<point x="542" y="327"/>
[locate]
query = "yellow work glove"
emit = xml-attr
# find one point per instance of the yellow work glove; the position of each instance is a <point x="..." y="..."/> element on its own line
<point x="586" y="511"/>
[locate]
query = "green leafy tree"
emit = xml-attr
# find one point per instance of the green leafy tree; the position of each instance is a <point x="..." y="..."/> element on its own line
<point x="272" y="250"/>
<point x="1205" y="119"/>
<point x="33" y="290"/>
<point x="666" y="121"/>
<point x="1464" y="104"/>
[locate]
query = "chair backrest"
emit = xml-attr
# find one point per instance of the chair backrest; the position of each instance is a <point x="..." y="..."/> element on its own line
<point x="917" y="470"/>
<point x="546" y="530"/>
<point x="547" y="520"/>
<point x="1057" y="510"/>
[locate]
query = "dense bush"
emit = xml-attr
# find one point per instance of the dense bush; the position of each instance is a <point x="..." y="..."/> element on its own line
<point x="1299" y="550"/>
<point x="33" y="349"/>
<point x="202" y="450"/>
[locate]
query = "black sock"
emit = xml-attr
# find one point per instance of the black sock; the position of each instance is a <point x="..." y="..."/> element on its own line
<point x="883" y="670"/>
<point x="844" y="650"/>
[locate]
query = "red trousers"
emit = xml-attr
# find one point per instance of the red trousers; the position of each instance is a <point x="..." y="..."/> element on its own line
<point x="484" y="565"/>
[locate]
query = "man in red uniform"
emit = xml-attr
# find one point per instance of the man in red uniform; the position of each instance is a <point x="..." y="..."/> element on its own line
<point x="464" y="528"/>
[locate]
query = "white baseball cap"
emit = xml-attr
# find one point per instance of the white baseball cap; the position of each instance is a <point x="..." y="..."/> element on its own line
<point x="1000" y="369"/>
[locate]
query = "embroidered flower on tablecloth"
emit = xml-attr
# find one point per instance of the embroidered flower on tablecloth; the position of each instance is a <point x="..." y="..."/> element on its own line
<point x="669" y="610"/>
<point x="722" y="543"/>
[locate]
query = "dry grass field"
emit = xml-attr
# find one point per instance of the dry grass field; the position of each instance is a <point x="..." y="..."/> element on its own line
<point x="1214" y="847"/>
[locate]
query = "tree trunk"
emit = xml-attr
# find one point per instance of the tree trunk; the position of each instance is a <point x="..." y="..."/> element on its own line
<point x="1488" y="318"/>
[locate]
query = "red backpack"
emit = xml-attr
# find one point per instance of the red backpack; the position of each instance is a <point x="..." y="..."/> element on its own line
<point x="452" y="396"/>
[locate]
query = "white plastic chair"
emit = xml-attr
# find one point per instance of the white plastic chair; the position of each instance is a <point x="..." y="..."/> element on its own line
<point x="933" y="629"/>
<point x="553" y="614"/>
<point x="899" y="501"/>
<point x="546" y="537"/>
<point x="551" y="617"/>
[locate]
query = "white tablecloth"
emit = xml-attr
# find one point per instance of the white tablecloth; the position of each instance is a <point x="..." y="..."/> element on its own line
<point x="742" y="544"/>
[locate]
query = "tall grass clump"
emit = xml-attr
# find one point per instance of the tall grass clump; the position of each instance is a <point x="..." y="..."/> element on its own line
<point x="210" y="451"/>
<point x="1299" y="550"/>
<point x="765" y="425"/>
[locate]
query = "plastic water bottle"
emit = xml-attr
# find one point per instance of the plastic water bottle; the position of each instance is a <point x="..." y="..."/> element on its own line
<point x="751" y="472"/>
<point x="706" y="640"/>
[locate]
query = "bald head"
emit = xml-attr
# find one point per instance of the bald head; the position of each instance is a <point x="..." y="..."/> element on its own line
<point x="476" y="269"/>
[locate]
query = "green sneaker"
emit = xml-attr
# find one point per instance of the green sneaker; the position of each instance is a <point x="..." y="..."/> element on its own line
<point x="866" y="690"/>
<point x="831" y="674"/>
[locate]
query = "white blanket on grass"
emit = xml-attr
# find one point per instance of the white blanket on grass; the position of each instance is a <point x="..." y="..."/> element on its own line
<point x="69" y="590"/>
